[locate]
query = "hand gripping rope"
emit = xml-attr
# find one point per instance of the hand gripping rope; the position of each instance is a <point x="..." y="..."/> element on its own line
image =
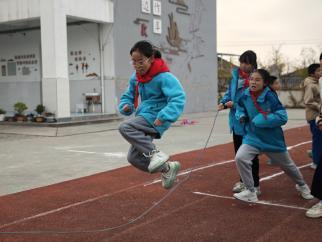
<point x="107" y="229"/>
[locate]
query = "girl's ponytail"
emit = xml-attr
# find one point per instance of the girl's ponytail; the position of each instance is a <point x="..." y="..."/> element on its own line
<point x="156" y="53"/>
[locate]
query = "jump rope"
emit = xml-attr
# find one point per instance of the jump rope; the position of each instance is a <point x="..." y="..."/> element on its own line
<point x="131" y="221"/>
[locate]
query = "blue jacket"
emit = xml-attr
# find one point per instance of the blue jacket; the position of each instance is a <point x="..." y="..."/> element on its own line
<point x="264" y="134"/>
<point x="233" y="93"/>
<point x="162" y="98"/>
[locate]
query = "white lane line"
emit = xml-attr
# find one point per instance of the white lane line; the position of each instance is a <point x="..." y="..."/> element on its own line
<point x="259" y="202"/>
<point x="74" y="147"/>
<point x="266" y="178"/>
<point x="107" y="154"/>
<point x="193" y="170"/>
<point x="115" y="154"/>
<point x="299" y="144"/>
<point x="82" y="151"/>
<point x="230" y="161"/>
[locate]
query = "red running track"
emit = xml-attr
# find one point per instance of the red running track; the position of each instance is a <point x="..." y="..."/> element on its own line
<point x="201" y="209"/>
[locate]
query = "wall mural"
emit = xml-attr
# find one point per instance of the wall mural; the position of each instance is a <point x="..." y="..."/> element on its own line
<point x="175" y="44"/>
<point x="183" y="7"/>
<point x="189" y="45"/>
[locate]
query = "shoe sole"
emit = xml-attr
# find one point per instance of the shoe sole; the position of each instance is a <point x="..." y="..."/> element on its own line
<point x="153" y="169"/>
<point x="243" y="200"/>
<point x="313" y="215"/>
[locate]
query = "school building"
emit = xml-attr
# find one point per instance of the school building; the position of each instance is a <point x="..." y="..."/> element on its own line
<point x="72" y="56"/>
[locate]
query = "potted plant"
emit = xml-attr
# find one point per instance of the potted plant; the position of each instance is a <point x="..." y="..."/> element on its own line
<point x="20" y="108"/>
<point x="40" y="109"/>
<point x="50" y="117"/>
<point x="2" y="113"/>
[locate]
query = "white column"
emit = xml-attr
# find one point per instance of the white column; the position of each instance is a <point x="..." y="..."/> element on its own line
<point x="55" y="82"/>
<point x="110" y="105"/>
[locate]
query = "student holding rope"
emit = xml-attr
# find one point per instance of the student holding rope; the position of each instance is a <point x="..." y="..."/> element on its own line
<point x="237" y="86"/>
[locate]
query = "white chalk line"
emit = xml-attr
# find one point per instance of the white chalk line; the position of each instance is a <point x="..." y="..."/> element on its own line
<point x="258" y="202"/>
<point x="106" y="154"/>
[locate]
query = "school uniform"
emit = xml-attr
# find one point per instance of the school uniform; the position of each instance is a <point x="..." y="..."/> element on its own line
<point x="264" y="135"/>
<point x="161" y="97"/>
<point x="235" y="90"/>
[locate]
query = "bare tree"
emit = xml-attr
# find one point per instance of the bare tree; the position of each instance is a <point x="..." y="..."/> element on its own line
<point x="308" y="55"/>
<point x="277" y="63"/>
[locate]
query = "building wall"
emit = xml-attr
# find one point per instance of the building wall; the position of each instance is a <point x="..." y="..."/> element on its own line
<point x="20" y="72"/>
<point x="187" y="41"/>
<point x="83" y="62"/>
<point x="94" y="10"/>
<point x="13" y="10"/>
<point x="23" y="49"/>
<point x="191" y="53"/>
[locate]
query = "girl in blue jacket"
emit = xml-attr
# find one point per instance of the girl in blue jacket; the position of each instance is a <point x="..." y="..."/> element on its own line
<point x="263" y="114"/>
<point x="157" y="99"/>
<point x="237" y="86"/>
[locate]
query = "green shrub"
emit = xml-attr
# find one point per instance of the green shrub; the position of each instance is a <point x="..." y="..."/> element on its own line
<point x="40" y="109"/>
<point x="20" y="107"/>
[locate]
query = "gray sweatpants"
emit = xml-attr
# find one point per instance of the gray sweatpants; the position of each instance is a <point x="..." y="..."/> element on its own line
<point x="246" y="154"/>
<point x="139" y="133"/>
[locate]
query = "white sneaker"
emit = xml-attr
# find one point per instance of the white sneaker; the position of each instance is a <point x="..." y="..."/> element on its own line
<point x="246" y="196"/>
<point x="304" y="191"/>
<point x="158" y="158"/>
<point x="315" y="211"/>
<point x="313" y="166"/>
<point x="239" y="187"/>
<point x="258" y="191"/>
<point x="168" y="178"/>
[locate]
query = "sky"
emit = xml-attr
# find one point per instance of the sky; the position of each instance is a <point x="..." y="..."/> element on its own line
<point x="264" y="25"/>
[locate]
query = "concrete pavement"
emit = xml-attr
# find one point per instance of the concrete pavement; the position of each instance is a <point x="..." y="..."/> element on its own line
<point x="33" y="157"/>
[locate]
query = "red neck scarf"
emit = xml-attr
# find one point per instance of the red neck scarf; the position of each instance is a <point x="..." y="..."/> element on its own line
<point x="245" y="76"/>
<point x="254" y="96"/>
<point x="158" y="66"/>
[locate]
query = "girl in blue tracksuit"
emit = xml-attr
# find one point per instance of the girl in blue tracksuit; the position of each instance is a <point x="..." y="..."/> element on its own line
<point x="237" y="86"/>
<point x="263" y="114"/>
<point x="157" y="99"/>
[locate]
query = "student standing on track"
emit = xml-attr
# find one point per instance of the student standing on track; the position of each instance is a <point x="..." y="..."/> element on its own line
<point x="263" y="115"/>
<point x="157" y="98"/>
<point x="312" y="101"/>
<point x="237" y="86"/>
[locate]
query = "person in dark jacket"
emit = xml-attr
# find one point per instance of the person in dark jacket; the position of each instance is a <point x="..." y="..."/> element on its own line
<point x="316" y="188"/>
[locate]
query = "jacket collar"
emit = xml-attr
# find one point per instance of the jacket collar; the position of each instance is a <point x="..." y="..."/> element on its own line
<point x="261" y="97"/>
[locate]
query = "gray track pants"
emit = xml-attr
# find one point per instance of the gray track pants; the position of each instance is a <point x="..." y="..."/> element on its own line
<point x="246" y="153"/>
<point x="139" y="133"/>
